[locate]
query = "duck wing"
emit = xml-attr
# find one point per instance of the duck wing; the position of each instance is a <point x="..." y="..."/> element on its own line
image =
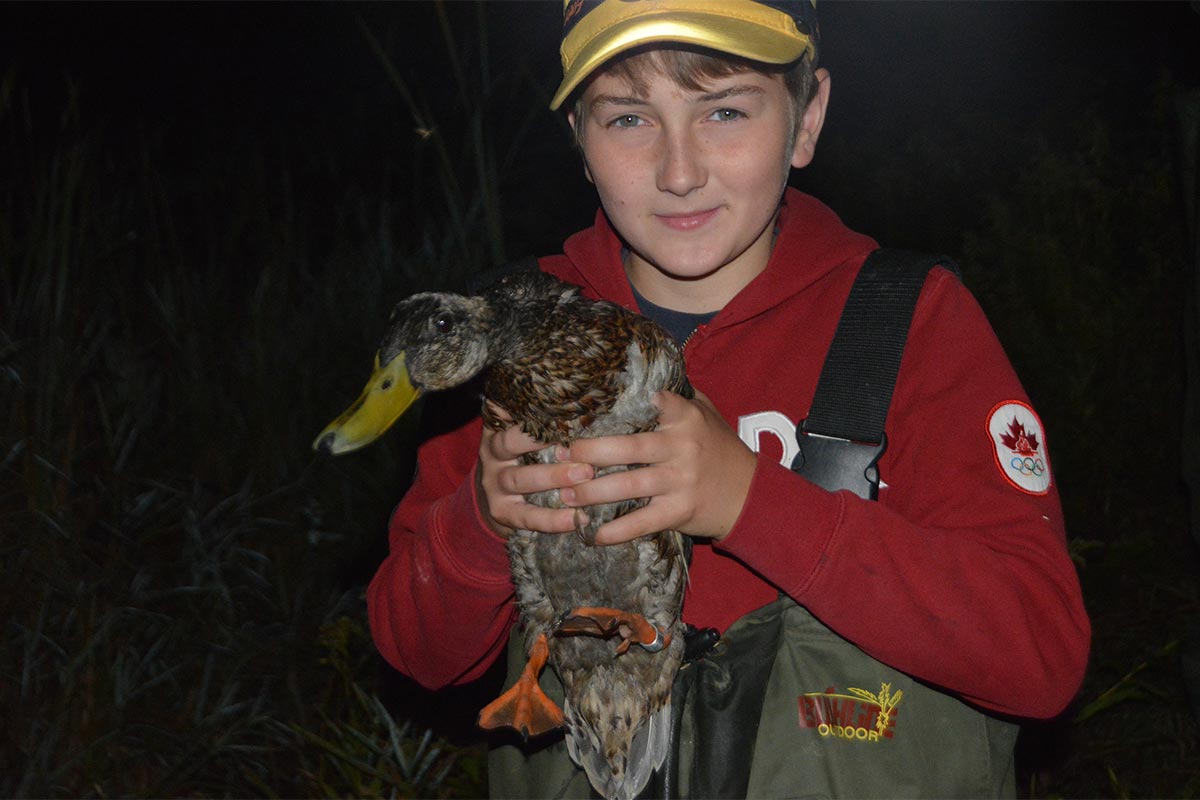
<point x="565" y="371"/>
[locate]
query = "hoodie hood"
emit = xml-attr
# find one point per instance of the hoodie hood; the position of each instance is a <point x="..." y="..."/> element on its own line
<point x="812" y="242"/>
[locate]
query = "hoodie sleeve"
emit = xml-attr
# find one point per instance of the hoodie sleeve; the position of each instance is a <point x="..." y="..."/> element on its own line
<point x="959" y="575"/>
<point x="441" y="604"/>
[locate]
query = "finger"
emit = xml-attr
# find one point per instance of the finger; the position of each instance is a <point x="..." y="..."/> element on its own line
<point x="526" y="516"/>
<point x="529" y="478"/>
<point x="646" y="520"/>
<point x="616" y="486"/>
<point x="511" y="443"/>
<point x="612" y="451"/>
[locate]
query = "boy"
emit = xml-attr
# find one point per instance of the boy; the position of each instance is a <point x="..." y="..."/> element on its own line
<point x="689" y="116"/>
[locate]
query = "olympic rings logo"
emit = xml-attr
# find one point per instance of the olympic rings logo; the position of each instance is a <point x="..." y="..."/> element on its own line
<point x="1028" y="466"/>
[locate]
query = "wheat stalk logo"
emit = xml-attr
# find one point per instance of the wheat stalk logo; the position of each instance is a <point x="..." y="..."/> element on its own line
<point x="885" y="700"/>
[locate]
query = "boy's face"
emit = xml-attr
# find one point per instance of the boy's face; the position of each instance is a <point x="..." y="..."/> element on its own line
<point x="692" y="179"/>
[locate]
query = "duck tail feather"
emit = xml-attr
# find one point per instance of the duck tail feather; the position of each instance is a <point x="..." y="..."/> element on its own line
<point x="648" y="751"/>
<point x="626" y="770"/>
<point x="585" y="749"/>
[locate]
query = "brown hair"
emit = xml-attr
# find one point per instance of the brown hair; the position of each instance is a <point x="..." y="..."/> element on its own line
<point x="692" y="68"/>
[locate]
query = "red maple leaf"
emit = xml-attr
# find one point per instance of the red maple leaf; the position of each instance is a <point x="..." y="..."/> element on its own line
<point x="1019" y="440"/>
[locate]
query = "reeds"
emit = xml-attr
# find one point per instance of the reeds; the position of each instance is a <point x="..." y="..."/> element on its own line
<point x="167" y="563"/>
<point x="183" y="578"/>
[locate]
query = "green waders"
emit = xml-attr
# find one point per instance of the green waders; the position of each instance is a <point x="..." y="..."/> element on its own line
<point x="827" y="721"/>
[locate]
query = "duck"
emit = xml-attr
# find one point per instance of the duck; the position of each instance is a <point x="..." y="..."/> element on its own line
<point x="606" y="618"/>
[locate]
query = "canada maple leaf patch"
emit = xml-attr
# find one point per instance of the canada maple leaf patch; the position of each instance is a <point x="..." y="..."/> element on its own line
<point x="1017" y="438"/>
<point x="1020" y="440"/>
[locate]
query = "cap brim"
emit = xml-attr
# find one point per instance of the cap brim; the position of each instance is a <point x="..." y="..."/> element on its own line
<point x="749" y="40"/>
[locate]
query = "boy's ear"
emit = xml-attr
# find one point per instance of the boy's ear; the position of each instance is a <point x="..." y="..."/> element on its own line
<point x="571" y="121"/>
<point x="811" y="121"/>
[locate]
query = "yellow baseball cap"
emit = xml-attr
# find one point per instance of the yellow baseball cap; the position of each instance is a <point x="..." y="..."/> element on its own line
<point x="771" y="31"/>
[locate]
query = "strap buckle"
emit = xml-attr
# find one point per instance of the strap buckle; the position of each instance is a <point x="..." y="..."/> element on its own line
<point x="834" y="463"/>
<point x="698" y="642"/>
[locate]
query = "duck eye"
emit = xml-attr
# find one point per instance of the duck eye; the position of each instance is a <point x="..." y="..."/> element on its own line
<point x="444" y="325"/>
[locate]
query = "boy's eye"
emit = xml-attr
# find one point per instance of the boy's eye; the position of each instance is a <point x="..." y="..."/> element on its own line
<point x="626" y="121"/>
<point x="726" y="115"/>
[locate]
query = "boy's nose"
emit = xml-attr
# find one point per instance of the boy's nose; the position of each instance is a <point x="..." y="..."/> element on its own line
<point x="681" y="165"/>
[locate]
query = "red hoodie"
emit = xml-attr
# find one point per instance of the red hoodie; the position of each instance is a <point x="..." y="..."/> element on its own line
<point x="958" y="575"/>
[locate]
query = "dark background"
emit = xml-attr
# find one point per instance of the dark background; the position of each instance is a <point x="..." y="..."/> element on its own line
<point x="218" y="74"/>
<point x="206" y="210"/>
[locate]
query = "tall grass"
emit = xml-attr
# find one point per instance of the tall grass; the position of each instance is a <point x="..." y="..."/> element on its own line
<point x="164" y="525"/>
<point x="183" y="609"/>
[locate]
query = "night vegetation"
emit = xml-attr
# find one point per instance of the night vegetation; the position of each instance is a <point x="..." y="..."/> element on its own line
<point x="183" y="608"/>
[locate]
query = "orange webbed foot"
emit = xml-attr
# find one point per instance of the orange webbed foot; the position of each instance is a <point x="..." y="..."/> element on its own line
<point x="525" y="707"/>
<point x="609" y="622"/>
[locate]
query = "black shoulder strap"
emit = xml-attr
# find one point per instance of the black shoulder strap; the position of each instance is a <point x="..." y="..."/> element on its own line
<point x="843" y="437"/>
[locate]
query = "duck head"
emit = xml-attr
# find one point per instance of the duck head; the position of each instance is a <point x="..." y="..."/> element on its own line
<point x="434" y="341"/>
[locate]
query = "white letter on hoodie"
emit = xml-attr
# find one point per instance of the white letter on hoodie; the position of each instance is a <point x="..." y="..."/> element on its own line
<point x="774" y="423"/>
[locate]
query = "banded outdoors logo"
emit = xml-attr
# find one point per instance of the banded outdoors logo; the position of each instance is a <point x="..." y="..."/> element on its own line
<point x="859" y="715"/>
<point x="1019" y="444"/>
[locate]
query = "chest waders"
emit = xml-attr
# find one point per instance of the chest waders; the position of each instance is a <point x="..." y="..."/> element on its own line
<point x="781" y="706"/>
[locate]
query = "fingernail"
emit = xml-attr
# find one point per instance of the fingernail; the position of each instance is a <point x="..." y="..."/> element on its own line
<point x="579" y="472"/>
<point x="581" y="518"/>
<point x="562" y="453"/>
<point x="567" y="496"/>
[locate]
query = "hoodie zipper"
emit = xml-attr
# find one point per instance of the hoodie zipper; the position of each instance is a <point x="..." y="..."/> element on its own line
<point x="683" y="347"/>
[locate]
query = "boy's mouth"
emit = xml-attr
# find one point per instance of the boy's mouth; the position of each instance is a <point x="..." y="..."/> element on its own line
<point x="687" y="222"/>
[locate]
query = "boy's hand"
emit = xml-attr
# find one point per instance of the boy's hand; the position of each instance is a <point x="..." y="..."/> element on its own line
<point x="502" y="483"/>
<point x="697" y="473"/>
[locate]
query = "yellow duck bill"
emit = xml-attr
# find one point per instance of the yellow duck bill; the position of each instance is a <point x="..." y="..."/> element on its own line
<point x="388" y="394"/>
